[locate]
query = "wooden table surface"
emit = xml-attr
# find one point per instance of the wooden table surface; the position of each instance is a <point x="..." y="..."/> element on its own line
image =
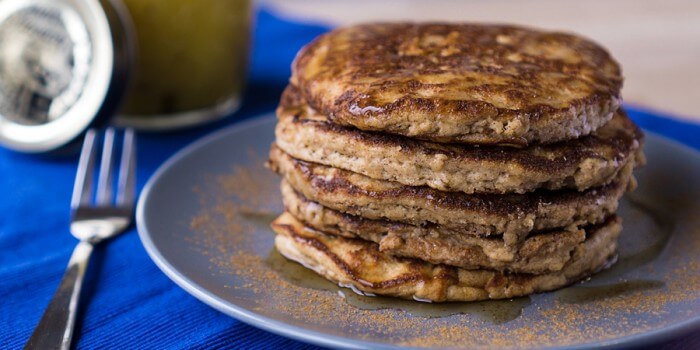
<point x="657" y="42"/>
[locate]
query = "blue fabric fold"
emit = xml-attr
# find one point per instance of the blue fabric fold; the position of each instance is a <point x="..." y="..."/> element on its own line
<point x="128" y="301"/>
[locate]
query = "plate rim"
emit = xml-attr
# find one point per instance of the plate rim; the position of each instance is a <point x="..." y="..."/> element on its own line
<point x="249" y="317"/>
<point x="319" y="338"/>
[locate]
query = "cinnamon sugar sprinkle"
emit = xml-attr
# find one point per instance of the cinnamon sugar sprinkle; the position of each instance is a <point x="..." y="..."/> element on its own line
<point x="231" y="230"/>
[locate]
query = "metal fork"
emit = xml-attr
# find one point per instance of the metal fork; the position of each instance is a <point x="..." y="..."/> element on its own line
<point x="91" y="223"/>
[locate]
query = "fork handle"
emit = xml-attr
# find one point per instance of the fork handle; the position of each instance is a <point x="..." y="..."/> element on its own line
<point x="55" y="329"/>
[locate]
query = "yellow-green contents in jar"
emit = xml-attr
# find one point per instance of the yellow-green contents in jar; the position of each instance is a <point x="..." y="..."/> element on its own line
<point x="191" y="54"/>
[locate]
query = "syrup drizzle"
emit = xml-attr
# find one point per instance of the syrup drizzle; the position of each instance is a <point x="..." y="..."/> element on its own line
<point x="494" y="311"/>
<point x="584" y="293"/>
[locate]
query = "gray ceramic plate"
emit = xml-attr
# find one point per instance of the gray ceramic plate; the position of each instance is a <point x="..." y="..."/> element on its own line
<point x="204" y="216"/>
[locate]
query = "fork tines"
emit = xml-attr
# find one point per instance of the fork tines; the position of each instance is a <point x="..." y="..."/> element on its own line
<point x="126" y="184"/>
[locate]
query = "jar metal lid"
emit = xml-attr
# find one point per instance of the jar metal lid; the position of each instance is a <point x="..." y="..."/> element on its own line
<point x="63" y="66"/>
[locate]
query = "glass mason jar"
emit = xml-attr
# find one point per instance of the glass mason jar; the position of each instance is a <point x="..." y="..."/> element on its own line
<point x="190" y="64"/>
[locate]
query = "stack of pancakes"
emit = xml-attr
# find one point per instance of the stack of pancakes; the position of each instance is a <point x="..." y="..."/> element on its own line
<point x="452" y="162"/>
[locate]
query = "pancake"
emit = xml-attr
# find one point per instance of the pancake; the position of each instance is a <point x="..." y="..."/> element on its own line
<point x="360" y="265"/>
<point x="538" y="253"/>
<point x="467" y="83"/>
<point x="587" y="162"/>
<point x="512" y="215"/>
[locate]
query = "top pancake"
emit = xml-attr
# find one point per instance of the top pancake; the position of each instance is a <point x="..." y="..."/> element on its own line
<point x="468" y="83"/>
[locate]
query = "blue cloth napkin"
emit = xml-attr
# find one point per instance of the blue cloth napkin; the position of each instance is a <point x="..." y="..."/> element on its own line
<point x="127" y="301"/>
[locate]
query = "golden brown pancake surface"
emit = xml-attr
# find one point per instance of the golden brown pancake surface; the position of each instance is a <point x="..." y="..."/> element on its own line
<point x="538" y="253"/>
<point x="514" y="216"/>
<point x="359" y="264"/>
<point x="471" y="83"/>
<point x="589" y="161"/>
